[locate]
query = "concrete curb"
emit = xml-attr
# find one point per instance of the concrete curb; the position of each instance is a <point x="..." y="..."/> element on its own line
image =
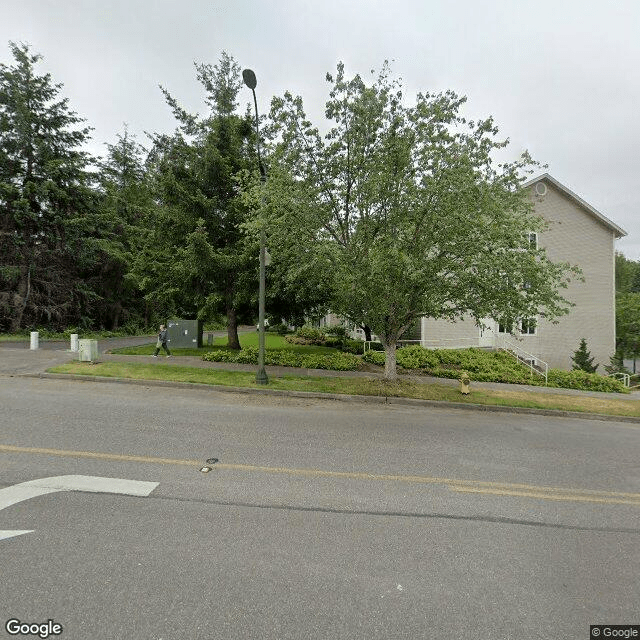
<point x="382" y="400"/>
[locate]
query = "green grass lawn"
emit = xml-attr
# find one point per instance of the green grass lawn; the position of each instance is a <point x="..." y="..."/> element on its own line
<point x="272" y="341"/>
<point x="353" y="386"/>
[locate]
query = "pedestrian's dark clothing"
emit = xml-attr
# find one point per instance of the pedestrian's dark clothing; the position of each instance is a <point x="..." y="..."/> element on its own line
<point x="162" y="342"/>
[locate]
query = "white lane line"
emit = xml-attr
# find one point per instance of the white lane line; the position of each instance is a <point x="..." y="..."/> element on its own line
<point x="93" y="484"/>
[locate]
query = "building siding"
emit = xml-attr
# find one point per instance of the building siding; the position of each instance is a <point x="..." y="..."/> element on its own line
<point x="575" y="236"/>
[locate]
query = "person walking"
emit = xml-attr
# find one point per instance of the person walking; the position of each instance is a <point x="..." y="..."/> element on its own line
<point x="162" y="342"/>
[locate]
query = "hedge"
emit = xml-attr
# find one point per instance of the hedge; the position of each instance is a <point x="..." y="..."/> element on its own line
<point x="287" y="358"/>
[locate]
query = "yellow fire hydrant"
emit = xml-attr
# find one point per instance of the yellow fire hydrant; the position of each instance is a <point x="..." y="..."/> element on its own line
<point x="464" y="383"/>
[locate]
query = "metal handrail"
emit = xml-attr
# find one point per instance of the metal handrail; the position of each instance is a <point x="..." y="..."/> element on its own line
<point x="523" y="357"/>
<point x="626" y="378"/>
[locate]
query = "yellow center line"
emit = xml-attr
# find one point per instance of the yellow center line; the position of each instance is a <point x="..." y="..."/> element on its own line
<point x="458" y="485"/>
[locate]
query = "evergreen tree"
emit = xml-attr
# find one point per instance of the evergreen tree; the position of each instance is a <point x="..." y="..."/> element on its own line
<point x="627" y="274"/>
<point x="114" y="234"/>
<point x="582" y="360"/>
<point x="44" y="184"/>
<point x="616" y="363"/>
<point x="197" y="259"/>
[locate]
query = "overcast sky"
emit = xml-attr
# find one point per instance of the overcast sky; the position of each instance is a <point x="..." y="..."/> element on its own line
<point x="560" y="77"/>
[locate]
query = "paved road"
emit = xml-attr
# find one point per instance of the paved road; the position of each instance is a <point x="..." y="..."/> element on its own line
<point x="319" y="520"/>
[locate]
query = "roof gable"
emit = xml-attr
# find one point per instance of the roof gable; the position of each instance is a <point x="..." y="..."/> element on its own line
<point x="585" y="206"/>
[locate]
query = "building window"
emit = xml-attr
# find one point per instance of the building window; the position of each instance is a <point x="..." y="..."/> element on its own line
<point x="528" y="326"/>
<point x="505" y="326"/>
<point x="533" y="240"/>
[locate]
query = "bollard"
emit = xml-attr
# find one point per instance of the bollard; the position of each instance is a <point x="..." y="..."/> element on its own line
<point x="35" y="340"/>
<point x="74" y="342"/>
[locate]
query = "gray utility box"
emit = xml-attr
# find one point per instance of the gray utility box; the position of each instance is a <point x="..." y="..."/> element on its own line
<point x="184" y="334"/>
<point x="87" y="350"/>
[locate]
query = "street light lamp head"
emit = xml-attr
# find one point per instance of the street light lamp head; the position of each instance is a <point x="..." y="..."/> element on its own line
<point x="249" y="79"/>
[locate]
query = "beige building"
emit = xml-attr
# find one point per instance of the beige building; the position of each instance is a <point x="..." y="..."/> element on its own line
<point x="579" y="235"/>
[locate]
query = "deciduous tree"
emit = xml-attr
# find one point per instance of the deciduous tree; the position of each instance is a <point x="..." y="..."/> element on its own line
<point x="402" y="209"/>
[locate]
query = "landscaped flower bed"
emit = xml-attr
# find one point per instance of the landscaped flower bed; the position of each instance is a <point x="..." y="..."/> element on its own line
<point x="491" y="366"/>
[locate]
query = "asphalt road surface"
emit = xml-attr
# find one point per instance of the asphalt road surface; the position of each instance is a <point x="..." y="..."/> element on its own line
<point x="319" y="519"/>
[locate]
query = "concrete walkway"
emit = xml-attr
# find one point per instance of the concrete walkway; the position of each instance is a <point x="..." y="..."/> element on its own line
<point x="18" y="359"/>
<point x="194" y="361"/>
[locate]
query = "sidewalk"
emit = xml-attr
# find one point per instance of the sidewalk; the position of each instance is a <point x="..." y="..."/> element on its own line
<point x="194" y="361"/>
<point x="21" y="361"/>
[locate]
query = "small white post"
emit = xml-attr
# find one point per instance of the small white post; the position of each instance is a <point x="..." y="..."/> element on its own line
<point x="74" y="342"/>
<point x="35" y="341"/>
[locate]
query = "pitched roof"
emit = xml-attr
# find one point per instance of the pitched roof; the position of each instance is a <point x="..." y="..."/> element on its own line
<point x="619" y="231"/>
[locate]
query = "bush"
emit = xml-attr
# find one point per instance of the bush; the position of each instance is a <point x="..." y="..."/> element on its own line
<point x="287" y="358"/>
<point x="281" y="329"/>
<point x="492" y="366"/>
<point x="578" y="379"/>
<point x="375" y="357"/>
<point x="353" y="346"/>
<point x="308" y="335"/>
<point x="339" y="332"/>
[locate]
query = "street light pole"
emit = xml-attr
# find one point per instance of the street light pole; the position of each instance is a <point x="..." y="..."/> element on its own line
<point x="249" y="78"/>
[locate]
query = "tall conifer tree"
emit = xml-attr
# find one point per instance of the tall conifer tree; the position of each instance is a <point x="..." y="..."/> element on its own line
<point x="43" y="185"/>
<point x="197" y="259"/>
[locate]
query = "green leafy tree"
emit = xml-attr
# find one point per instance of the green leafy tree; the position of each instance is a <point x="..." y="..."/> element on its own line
<point x="582" y="359"/>
<point x="44" y="183"/>
<point x="197" y="260"/>
<point x="403" y="212"/>
<point x="616" y="363"/>
<point x="628" y="324"/>
<point x="627" y="274"/>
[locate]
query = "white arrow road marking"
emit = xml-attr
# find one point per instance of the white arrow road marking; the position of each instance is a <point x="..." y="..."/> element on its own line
<point x="93" y="484"/>
<point x="10" y="534"/>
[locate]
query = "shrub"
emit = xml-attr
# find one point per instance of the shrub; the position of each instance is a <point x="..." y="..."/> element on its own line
<point x="281" y="329"/>
<point x="353" y="346"/>
<point x="339" y="332"/>
<point x="375" y="357"/>
<point x="308" y="335"/>
<point x="416" y="357"/>
<point x="287" y="358"/>
<point x="578" y="379"/>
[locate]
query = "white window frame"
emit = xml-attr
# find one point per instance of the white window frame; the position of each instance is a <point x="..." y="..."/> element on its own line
<point x="504" y="327"/>
<point x="529" y="321"/>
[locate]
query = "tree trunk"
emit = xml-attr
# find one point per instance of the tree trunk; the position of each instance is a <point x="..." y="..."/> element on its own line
<point x="367" y="332"/>
<point x="233" y="342"/>
<point x="390" y="370"/>
<point x="20" y="299"/>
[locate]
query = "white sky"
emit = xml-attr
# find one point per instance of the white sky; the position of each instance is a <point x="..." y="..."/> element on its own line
<point x="560" y="77"/>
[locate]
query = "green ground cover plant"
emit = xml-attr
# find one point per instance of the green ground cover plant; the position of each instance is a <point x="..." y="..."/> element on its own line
<point x="336" y="361"/>
<point x="491" y="366"/>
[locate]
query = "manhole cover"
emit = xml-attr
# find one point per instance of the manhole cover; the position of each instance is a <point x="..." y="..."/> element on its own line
<point x="212" y="460"/>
